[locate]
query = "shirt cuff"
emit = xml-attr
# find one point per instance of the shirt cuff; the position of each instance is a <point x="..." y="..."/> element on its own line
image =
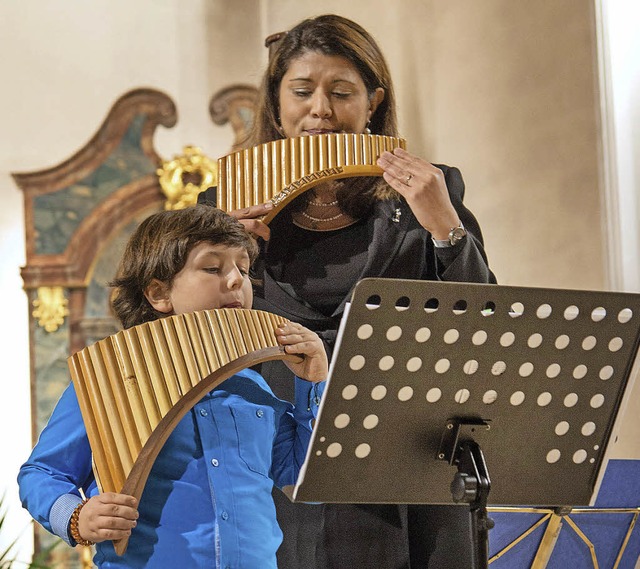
<point x="446" y="255"/>
<point x="308" y="396"/>
<point x="60" y="516"/>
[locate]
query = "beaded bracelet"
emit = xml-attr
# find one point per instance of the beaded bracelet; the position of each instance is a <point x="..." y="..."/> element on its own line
<point x="73" y="525"/>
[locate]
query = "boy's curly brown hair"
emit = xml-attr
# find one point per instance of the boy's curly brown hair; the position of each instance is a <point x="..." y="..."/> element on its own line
<point x="158" y="249"/>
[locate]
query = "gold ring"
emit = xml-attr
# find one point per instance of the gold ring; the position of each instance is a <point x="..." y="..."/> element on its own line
<point x="408" y="179"/>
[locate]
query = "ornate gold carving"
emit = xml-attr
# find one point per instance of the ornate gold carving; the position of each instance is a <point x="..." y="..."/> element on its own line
<point x="184" y="177"/>
<point x="50" y="307"/>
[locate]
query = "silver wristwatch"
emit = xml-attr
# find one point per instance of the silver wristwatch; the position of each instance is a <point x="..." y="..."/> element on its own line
<point x="455" y="235"/>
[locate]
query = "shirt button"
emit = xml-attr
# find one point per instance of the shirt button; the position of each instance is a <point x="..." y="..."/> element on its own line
<point x="203" y="412"/>
<point x="214" y="461"/>
<point x="224" y="515"/>
<point x="259" y="412"/>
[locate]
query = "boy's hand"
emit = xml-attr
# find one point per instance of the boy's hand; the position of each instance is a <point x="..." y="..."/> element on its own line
<point x="297" y="339"/>
<point x="108" y="516"/>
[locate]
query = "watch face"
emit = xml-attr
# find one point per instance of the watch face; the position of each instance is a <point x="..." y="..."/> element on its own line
<point x="456" y="234"/>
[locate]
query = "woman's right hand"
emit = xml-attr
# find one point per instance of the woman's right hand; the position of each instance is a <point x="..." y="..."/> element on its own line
<point x="423" y="186"/>
<point x="107" y="516"/>
<point x="249" y="217"/>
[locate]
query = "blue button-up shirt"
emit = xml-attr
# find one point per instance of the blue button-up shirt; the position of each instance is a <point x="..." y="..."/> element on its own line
<point x="207" y="502"/>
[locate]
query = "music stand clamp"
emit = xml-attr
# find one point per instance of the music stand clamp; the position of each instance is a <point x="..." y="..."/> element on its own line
<point x="471" y="483"/>
<point x="428" y="375"/>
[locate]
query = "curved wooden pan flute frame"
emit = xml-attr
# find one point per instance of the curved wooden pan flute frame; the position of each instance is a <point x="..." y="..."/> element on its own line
<point x="135" y="386"/>
<point x="281" y="170"/>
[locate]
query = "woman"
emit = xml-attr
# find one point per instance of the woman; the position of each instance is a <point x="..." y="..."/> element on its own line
<point x="328" y="75"/>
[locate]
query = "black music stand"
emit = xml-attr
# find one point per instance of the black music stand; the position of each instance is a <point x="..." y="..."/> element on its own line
<point x="433" y="385"/>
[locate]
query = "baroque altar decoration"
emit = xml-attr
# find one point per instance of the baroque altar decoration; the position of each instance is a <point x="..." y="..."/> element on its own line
<point x="79" y="215"/>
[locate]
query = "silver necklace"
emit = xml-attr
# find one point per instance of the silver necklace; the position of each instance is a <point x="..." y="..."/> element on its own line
<point x="321" y="219"/>
<point x="323" y="204"/>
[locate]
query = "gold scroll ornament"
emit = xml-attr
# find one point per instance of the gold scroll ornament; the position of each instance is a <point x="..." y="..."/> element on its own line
<point x="184" y="177"/>
<point x="51" y="307"/>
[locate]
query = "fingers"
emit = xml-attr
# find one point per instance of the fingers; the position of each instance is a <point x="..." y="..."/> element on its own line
<point x="257" y="228"/>
<point x="253" y="211"/>
<point x="404" y="171"/>
<point x="424" y="188"/>
<point x="249" y="217"/>
<point x="397" y="164"/>
<point x="297" y="339"/>
<point x="108" y="516"/>
<point x="114" y="499"/>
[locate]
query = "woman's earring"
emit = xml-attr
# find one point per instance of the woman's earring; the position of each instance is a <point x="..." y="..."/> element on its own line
<point x="367" y="130"/>
<point x="279" y="127"/>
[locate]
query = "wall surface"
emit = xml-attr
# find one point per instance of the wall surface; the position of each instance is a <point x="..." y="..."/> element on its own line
<point x="506" y="91"/>
<point x="68" y="63"/>
<point x="518" y="111"/>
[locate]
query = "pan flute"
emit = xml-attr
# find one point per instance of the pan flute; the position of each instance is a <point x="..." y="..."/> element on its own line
<point x="281" y="170"/>
<point x="135" y="386"/>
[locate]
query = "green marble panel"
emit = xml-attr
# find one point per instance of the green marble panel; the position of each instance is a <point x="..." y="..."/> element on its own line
<point x="97" y="297"/>
<point x="51" y="379"/>
<point x="57" y="215"/>
<point x="52" y="372"/>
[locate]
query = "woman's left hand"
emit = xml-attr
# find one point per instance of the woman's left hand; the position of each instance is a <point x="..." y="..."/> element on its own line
<point x="424" y="188"/>
<point x="297" y="339"/>
<point x="250" y="218"/>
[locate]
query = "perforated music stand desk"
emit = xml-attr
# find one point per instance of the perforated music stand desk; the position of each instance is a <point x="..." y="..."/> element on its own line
<point x="537" y="377"/>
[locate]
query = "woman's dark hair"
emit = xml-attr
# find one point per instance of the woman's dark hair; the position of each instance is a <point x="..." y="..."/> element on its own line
<point x="158" y="249"/>
<point x="334" y="36"/>
<point x="330" y="35"/>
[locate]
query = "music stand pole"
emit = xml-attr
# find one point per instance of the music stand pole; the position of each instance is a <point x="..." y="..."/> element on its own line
<point x="470" y="484"/>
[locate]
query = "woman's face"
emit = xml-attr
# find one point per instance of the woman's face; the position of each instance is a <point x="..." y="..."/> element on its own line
<point x="322" y="94"/>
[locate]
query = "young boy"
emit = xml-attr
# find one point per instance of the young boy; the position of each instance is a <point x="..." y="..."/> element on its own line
<point x="207" y="502"/>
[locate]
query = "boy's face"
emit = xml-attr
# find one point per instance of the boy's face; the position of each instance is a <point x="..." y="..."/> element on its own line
<point x="214" y="276"/>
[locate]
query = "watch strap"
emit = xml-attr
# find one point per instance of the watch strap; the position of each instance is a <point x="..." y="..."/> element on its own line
<point x="455" y="234"/>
